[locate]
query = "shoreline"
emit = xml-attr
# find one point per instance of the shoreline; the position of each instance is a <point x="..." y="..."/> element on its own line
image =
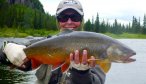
<point x="23" y="33"/>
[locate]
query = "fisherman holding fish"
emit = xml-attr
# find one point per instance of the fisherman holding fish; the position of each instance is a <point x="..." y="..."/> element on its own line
<point x="69" y="15"/>
<point x="71" y="57"/>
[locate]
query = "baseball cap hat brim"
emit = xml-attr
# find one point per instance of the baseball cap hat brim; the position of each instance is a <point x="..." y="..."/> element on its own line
<point x="69" y="7"/>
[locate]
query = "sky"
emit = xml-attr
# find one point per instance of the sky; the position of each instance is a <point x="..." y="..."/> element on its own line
<point x="108" y="10"/>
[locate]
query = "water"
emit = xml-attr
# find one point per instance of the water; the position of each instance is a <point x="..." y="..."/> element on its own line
<point x="130" y="73"/>
<point x="15" y="76"/>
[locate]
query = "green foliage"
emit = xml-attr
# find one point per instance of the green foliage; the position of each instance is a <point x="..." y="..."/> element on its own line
<point x="144" y="25"/>
<point x="2" y="2"/>
<point x="116" y="28"/>
<point x="127" y="35"/>
<point x="18" y="15"/>
<point x="136" y="28"/>
<point x="23" y="32"/>
<point x="37" y="5"/>
<point x="88" y="26"/>
<point x="30" y="19"/>
<point x="97" y="24"/>
<point x="19" y="32"/>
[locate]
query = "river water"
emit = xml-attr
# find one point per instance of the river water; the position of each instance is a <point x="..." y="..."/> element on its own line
<point x="129" y="73"/>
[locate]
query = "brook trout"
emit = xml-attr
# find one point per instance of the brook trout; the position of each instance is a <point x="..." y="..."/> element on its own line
<point x="56" y="50"/>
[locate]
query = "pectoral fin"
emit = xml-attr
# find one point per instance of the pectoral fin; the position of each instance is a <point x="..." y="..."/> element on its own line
<point x="104" y="64"/>
<point x="65" y="65"/>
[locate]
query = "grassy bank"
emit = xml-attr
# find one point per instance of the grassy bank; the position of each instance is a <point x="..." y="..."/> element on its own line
<point x="127" y="35"/>
<point x="12" y="32"/>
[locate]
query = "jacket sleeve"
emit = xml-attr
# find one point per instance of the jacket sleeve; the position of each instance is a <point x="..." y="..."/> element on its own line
<point x="98" y="76"/>
<point x="3" y="58"/>
<point x="91" y="76"/>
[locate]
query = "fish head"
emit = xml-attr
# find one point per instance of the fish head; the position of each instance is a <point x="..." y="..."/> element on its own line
<point x="120" y="53"/>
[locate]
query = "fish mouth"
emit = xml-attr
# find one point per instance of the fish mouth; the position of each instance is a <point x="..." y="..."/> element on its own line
<point x="128" y="59"/>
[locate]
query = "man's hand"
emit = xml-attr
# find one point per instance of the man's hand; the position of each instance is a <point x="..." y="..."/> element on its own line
<point x="84" y="64"/>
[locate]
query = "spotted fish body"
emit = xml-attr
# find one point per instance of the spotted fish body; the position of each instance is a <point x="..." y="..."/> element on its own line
<point x="55" y="50"/>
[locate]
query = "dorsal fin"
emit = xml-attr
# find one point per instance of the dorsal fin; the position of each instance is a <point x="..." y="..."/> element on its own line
<point x="65" y="31"/>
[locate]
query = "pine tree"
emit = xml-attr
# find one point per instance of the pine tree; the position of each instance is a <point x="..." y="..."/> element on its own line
<point x="97" y="24"/>
<point x="102" y="28"/>
<point x="144" y="25"/>
<point x="88" y="26"/>
<point x="135" y="25"/>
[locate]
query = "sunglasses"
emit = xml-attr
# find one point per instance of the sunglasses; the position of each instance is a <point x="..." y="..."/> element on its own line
<point x="73" y="17"/>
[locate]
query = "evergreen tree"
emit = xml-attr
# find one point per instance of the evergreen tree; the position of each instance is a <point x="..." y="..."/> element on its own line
<point x="108" y="27"/>
<point x="102" y="28"/>
<point x="144" y="25"/>
<point x="144" y="21"/>
<point x="115" y="27"/>
<point x="35" y="20"/>
<point x="22" y="16"/>
<point x="92" y="24"/>
<point x="2" y="2"/>
<point x="97" y="24"/>
<point x="88" y="26"/>
<point x="135" y="25"/>
<point x="128" y="28"/>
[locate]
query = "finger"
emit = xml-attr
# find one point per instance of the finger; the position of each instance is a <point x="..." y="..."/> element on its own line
<point x="93" y="59"/>
<point x="71" y="57"/>
<point x="92" y="63"/>
<point x="76" y="57"/>
<point x="84" y="57"/>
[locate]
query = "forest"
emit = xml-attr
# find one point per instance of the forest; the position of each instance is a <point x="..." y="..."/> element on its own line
<point x="24" y="17"/>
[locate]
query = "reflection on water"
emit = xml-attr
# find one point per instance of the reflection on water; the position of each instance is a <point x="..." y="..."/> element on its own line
<point x="14" y="76"/>
<point x="131" y="73"/>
